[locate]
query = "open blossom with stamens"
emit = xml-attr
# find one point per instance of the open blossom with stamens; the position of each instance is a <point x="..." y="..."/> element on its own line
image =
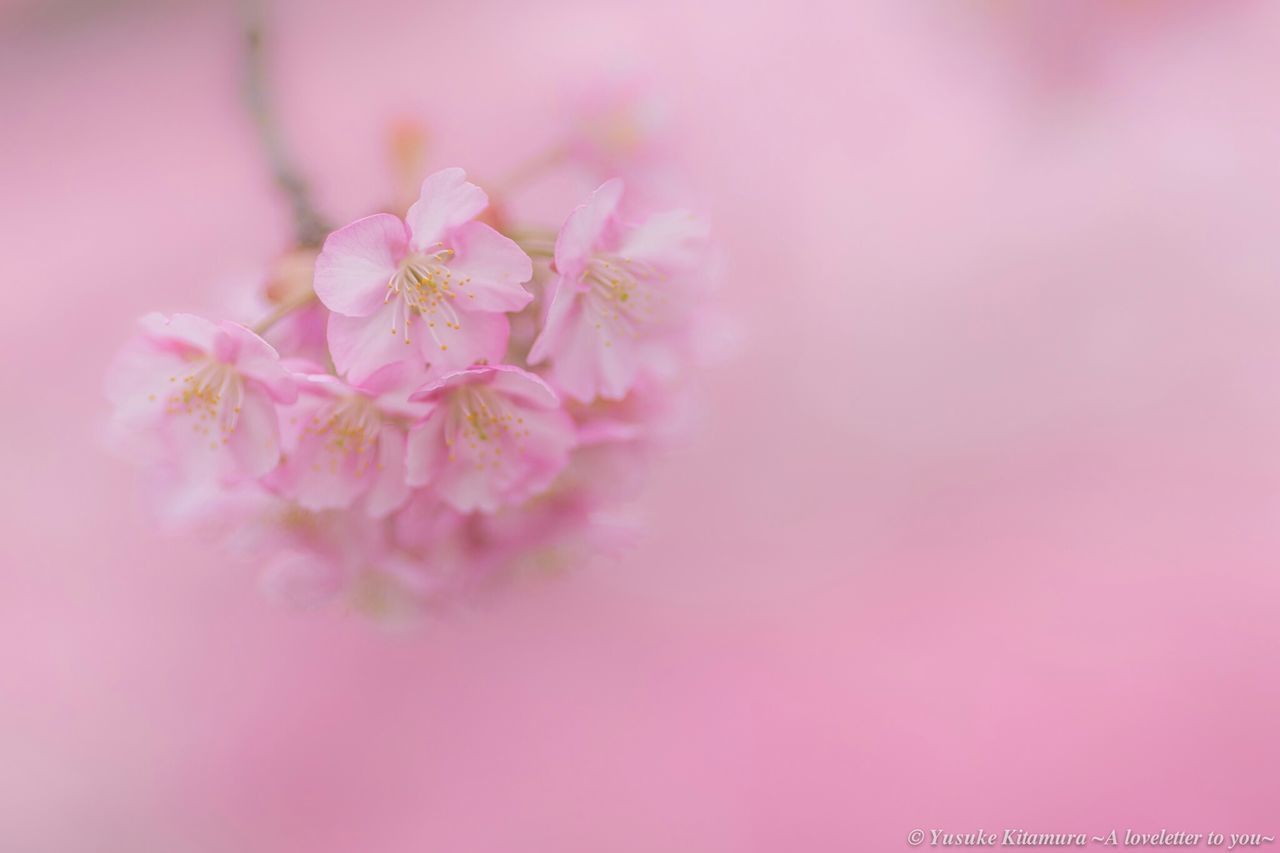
<point x="199" y="394"/>
<point x="394" y="450"/>
<point x="345" y="442"/>
<point x="433" y="287"/>
<point x="494" y="436"/>
<point x="618" y="292"/>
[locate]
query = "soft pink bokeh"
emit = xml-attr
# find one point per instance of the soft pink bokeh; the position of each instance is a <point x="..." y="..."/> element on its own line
<point x="979" y="529"/>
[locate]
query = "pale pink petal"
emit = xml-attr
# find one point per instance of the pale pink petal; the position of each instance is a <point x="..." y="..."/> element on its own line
<point x="258" y="360"/>
<point x="322" y="469"/>
<point x="551" y="435"/>
<point x="360" y="346"/>
<point x="528" y="464"/>
<point x="357" y="262"/>
<point x="523" y="387"/>
<point x="137" y="385"/>
<point x="447" y="200"/>
<point x="469" y="487"/>
<point x="425" y="521"/>
<point x="254" y="443"/>
<point x="425" y="452"/>
<point x="185" y="330"/>
<point x="389" y="491"/>
<point x="590" y="226"/>
<point x="488" y="269"/>
<point x="564" y="301"/>
<point x="666" y="242"/>
<point x="387" y="379"/>
<point x="301" y="578"/>
<point x="594" y="360"/>
<point x="441" y="384"/>
<point x="481" y="337"/>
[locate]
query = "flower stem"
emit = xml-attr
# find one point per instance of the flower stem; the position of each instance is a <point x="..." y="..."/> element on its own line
<point x="309" y="226"/>
<point x="530" y="169"/>
<point x="536" y="242"/>
<point x="283" y="310"/>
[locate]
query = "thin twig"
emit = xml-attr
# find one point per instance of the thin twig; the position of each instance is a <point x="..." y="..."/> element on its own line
<point x="309" y="226"/>
<point x="283" y="310"/>
<point x="530" y="169"/>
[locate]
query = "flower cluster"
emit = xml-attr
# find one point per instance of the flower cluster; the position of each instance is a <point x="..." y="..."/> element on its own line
<point x="434" y="402"/>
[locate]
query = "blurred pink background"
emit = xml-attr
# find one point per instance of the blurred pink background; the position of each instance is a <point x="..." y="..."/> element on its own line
<point x="978" y="530"/>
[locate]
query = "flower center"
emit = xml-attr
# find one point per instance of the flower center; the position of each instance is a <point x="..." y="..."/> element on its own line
<point x="620" y="295"/>
<point x="480" y="423"/>
<point x="349" y="429"/>
<point x="423" y="285"/>
<point x="212" y="395"/>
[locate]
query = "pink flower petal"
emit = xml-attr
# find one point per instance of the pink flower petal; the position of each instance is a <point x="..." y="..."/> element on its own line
<point x="389" y="491"/>
<point x="360" y="346"/>
<point x="425" y="451"/>
<point x="322" y="471"/>
<point x="589" y="226"/>
<point x="489" y="269"/>
<point x="254" y="444"/>
<point x="528" y="466"/>
<point x="186" y="330"/>
<point x="594" y="361"/>
<point x="356" y="263"/>
<point x="258" y="360"/>
<point x="668" y="242"/>
<point x="301" y="578"/>
<point x="523" y="386"/>
<point x="481" y="337"/>
<point x="446" y="201"/>
<point x="137" y="385"/>
<point x="564" y="301"/>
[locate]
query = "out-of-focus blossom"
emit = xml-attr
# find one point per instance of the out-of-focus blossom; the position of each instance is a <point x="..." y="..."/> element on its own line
<point x="439" y="280"/>
<point x="395" y="452"/>
<point x="495" y="436"/>
<point x="618" y="292"/>
<point x="615" y="126"/>
<point x="200" y="394"/>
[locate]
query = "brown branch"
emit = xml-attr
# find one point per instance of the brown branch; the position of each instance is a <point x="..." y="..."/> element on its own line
<point x="310" y="227"/>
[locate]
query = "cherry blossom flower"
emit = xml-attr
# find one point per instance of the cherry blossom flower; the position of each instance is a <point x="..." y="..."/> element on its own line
<point x="377" y="438"/>
<point x="199" y="395"/>
<point x="618" y="294"/>
<point x="434" y="287"/>
<point x="495" y="436"/>
<point x="345" y="442"/>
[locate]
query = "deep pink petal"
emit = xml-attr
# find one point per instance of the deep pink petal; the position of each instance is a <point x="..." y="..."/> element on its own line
<point x="488" y="269"/>
<point x="447" y="200"/>
<point x="356" y="263"/>
<point x="590" y="226"/>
